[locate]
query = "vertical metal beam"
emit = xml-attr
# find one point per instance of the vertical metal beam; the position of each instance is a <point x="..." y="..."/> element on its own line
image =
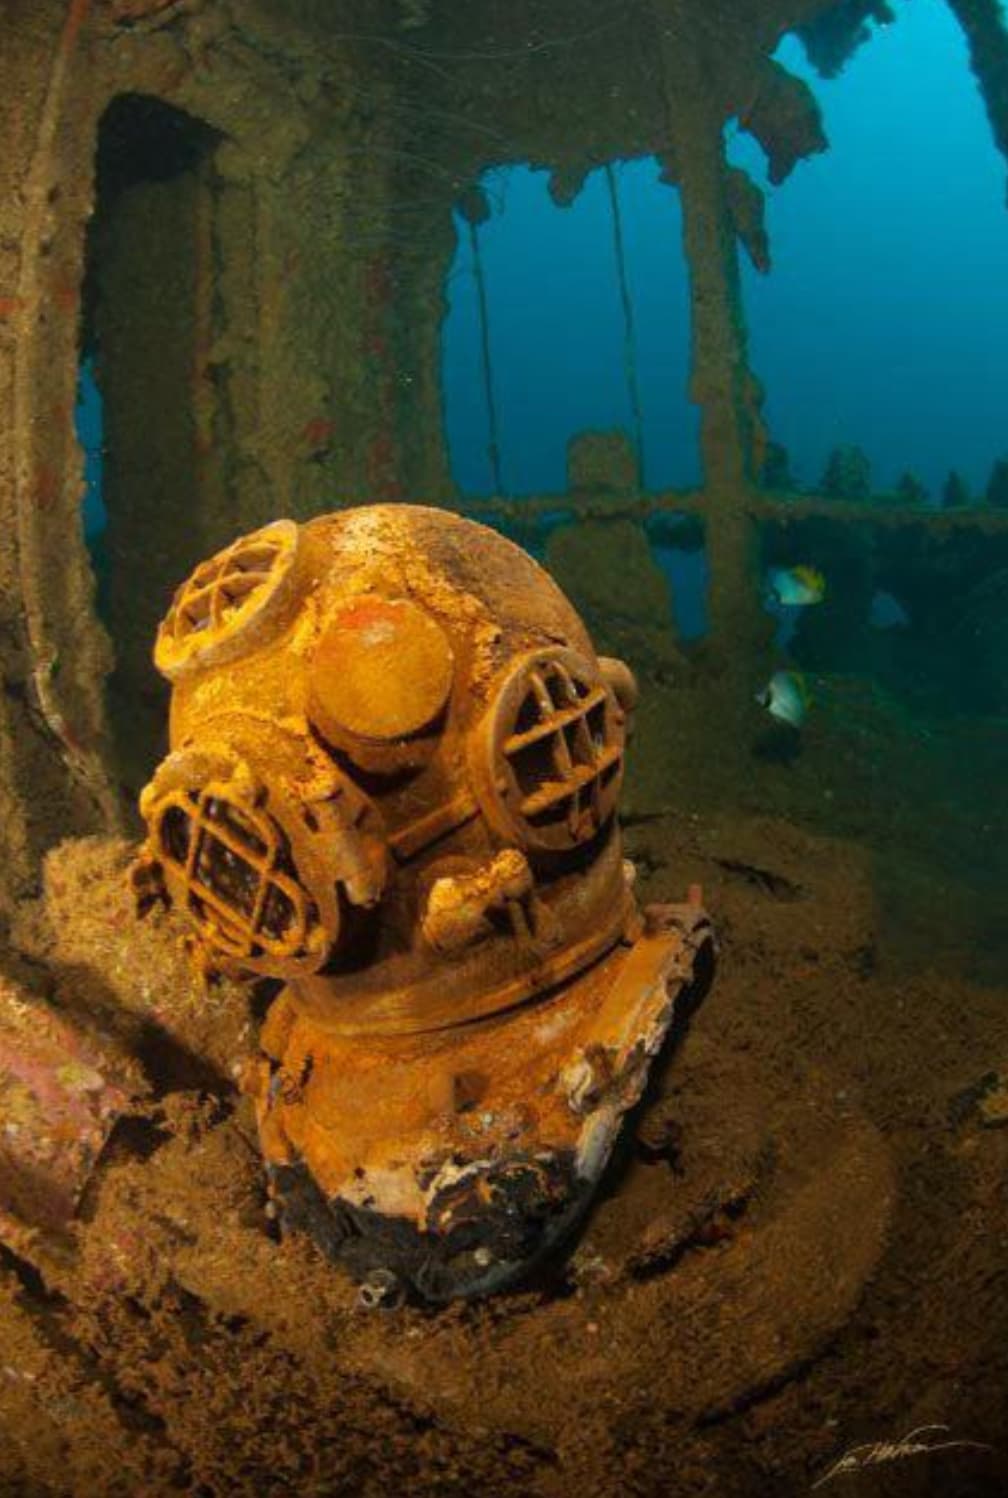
<point x="488" y="384"/>
<point x="55" y="656"/>
<point x="629" y="331"/>
<point x="721" y="384"/>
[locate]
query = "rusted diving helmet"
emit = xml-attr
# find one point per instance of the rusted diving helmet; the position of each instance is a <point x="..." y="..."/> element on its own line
<point x="394" y="771"/>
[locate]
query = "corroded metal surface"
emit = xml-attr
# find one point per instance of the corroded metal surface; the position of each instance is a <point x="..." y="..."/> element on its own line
<point x="370" y="707"/>
<point x="394" y="772"/>
<point x="61" y="1093"/>
<point x="454" y="1158"/>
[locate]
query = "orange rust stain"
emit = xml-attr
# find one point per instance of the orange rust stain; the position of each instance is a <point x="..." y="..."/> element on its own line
<point x="76" y="16"/>
<point x="318" y="430"/>
<point x="9" y="305"/>
<point x="367" y="611"/>
<point x="46" y="487"/>
<point x="72" y="742"/>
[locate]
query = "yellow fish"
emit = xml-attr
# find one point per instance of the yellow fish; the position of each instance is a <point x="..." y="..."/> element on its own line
<point x="796" y="587"/>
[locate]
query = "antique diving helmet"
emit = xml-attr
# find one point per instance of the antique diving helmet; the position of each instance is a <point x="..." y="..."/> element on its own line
<point x="394" y="771"/>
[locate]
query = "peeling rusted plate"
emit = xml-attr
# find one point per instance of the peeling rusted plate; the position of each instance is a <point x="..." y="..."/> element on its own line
<point x="60" y="1094"/>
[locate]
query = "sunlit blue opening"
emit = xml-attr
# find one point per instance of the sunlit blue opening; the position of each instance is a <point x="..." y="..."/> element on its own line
<point x="557" y="333"/>
<point x="88" y="421"/>
<point x="884" y="321"/>
<point x="688" y="577"/>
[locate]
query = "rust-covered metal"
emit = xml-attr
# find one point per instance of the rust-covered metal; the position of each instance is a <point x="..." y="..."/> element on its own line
<point x="394" y="771"/>
<point x="453" y="1158"/>
<point x="61" y="1093"/>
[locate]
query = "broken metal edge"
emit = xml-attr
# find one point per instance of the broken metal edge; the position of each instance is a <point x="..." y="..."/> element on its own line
<point x="489" y="1223"/>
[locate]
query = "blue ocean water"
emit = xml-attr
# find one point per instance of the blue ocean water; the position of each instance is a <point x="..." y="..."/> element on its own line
<point x="557" y="333"/>
<point x="883" y="323"/>
<point x="88" y="420"/>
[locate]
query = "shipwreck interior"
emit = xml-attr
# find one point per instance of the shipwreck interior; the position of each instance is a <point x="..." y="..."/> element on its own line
<point x="234" y="242"/>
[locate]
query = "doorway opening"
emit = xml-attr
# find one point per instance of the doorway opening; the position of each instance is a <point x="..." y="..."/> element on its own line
<point x="147" y="305"/>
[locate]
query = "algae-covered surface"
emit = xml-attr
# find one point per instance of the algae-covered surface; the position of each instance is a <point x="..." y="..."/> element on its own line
<point x="793" y="1277"/>
<point x="799" y="1250"/>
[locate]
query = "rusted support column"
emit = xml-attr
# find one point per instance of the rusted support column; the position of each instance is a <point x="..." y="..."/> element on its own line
<point x="721" y="384"/>
<point x="53" y="656"/>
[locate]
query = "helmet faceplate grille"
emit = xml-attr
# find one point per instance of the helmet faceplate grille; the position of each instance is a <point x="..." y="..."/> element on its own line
<point x="233" y="868"/>
<point x="558" y="752"/>
<point x="215" y="609"/>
